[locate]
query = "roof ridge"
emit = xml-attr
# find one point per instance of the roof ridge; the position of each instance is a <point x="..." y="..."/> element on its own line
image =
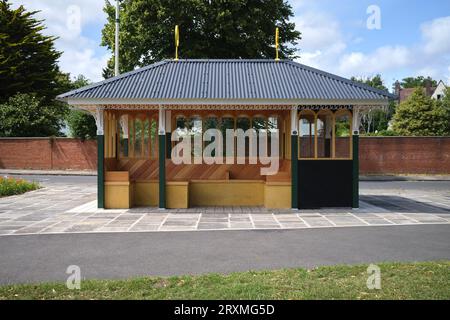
<point x="228" y="60"/>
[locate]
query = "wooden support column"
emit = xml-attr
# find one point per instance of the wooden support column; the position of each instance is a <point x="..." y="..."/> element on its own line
<point x="162" y="157"/>
<point x="355" y="157"/>
<point x="294" y="158"/>
<point x="99" y="120"/>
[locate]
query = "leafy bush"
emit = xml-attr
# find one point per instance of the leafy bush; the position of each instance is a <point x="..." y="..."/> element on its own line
<point x="10" y="186"/>
<point x="81" y="125"/>
<point x="420" y="115"/>
<point x="26" y="115"/>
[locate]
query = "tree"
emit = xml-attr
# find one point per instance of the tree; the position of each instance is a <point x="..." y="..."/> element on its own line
<point x="420" y="115"/>
<point x="375" y="82"/>
<point x="377" y="120"/>
<point x="28" y="59"/>
<point x="414" y="82"/>
<point x="28" y="74"/>
<point x="208" y="29"/>
<point x="26" y="115"/>
<point x="81" y="125"/>
<point x="445" y="104"/>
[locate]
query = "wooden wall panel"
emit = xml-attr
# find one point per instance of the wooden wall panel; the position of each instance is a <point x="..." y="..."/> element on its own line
<point x="147" y="169"/>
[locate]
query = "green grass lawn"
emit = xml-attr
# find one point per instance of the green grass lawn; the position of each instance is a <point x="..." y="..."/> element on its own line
<point x="11" y="186"/>
<point x="424" y="280"/>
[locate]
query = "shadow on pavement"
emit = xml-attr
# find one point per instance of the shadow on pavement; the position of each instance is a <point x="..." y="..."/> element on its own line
<point x="401" y="204"/>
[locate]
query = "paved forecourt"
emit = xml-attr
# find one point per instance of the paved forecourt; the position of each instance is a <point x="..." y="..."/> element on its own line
<point x="87" y="218"/>
<point x="68" y="205"/>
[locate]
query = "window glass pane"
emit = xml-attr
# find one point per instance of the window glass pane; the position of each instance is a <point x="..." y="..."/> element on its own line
<point x="131" y="137"/>
<point x="259" y="123"/>
<point x="226" y="123"/>
<point x="154" y="138"/>
<point x="272" y="125"/>
<point x="121" y="138"/>
<point x="137" y="138"/>
<point x="195" y="131"/>
<point x="306" y="136"/>
<point x="146" y="138"/>
<point x="244" y="124"/>
<point x="181" y="128"/>
<point x="343" y="136"/>
<point x="324" y="135"/>
<point x="211" y="123"/>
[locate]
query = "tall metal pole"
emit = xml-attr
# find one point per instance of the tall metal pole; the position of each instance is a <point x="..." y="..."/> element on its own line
<point x="116" y="43"/>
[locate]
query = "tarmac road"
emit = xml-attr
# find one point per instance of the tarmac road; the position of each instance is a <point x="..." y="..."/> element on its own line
<point x="37" y="258"/>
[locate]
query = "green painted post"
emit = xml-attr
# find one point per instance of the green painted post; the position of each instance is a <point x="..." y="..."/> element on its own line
<point x="355" y="197"/>
<point x="162" y="171"/>
<point x="100" y="171"/>
<point x="294" y="170"/>
<point x="168" y="144"/>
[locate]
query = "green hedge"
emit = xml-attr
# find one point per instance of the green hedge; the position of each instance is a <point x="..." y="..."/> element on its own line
<point x="10" y="186"/>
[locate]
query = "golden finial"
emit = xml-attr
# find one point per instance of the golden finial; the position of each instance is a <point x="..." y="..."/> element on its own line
<point x="177" y="42"/>
<point x="276" y="45"/>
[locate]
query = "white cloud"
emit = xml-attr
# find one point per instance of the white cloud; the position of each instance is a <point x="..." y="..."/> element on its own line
<point x="321" y="38"/>
<point x="436" y="36"/>
<point x="427" y="57"/>
<point x="325" y="46"/>
<point x="69" y="21"/>
<point x="447" y="77"/>
<point x="382" y="59"/>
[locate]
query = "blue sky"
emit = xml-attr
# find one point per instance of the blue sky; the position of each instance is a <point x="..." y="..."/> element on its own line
<point x="414" y="38"/>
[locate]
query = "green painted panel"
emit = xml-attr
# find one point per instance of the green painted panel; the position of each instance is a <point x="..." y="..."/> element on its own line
<point x="168" y="144"/>
<point x="162" y="171"/>
<point x="355" y="177"/>
<point x="100" y="171"/>
<point x="294" y="170"/>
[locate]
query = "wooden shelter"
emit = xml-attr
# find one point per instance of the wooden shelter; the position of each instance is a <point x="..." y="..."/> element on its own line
<point x="316" y="115"/>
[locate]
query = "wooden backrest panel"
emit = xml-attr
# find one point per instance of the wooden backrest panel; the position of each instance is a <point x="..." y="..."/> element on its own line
<point x="117" y="176"/>
<point x="148" y="169"/>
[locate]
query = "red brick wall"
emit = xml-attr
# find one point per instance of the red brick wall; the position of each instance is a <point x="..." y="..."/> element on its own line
<point x="415" y="155"/>
<point x="47" y="154"/>
<point x="378" y="155"/>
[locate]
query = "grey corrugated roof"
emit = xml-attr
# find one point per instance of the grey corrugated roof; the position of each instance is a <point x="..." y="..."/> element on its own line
<point x="228" y="79"/>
